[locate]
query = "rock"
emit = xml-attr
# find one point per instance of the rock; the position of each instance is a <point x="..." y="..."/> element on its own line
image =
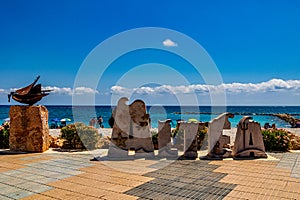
<point x="164" y="140"/>
<point x="190" y="131"/>
<point x="294" y="122"/>
<point x="131" y="130"/>
<point x="249" y="140"/>
<point x="56" y="142"/>
<point x="217" y="142"/>
<point x="294" y="141"/>
<point x="29" y="130"/>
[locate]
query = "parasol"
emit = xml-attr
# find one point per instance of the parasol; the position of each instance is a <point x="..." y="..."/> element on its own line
<point x="65" y="120"/>
<point x="193" y="120"/>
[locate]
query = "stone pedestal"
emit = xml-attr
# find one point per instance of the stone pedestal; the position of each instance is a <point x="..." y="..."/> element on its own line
<point x="29" y="129"/>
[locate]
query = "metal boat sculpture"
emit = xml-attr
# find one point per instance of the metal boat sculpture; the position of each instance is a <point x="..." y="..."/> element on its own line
<point x="30" y="94"/>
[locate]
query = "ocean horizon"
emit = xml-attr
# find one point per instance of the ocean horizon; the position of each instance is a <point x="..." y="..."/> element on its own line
<point x="84" y="113"/>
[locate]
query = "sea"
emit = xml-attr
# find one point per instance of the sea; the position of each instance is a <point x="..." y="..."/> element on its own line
<point x="261" y="114"/>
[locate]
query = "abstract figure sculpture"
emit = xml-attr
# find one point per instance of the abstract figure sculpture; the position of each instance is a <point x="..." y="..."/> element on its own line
<point x="164" y="140"/>
<point x="29" y="94"/>
<point x="249" y="140"/>
<point x="216" y="139"/>
<point x="131" y="130"/>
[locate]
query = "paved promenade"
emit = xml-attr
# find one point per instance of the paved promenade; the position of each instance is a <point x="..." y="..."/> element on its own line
<point x="53" y="175"/>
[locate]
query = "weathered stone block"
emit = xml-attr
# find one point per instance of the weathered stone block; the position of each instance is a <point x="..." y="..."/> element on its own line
<point x="216" y="139"/>
<point x="164" y="140"/>
<point x="190" y="139"/>
<point x="249" y="140"/>
<point x="29" y="129"/>
<point x="164" y="133"/>
<point x="131" y="130"/>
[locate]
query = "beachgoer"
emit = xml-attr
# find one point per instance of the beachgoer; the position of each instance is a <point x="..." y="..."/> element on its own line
<point x="111" y="121"/>
<point x="100" y="121"/>
<point x="93" y="122"/>
<point x="63" y="124"/>
<point x="267" y="125"/>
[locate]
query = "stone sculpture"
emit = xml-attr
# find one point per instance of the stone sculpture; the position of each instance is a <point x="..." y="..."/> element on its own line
<point x="249" y="140"/>
<point x="30" y="94"/>
<point x="29" y="130"/>
<point x="190" y="130"/>
<point x="164" y="140"/>
<point x="216" y="140"/>
<point x="131" y="130"/>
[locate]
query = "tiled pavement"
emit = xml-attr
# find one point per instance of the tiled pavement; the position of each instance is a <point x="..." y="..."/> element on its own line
<point x="74" y="176"/>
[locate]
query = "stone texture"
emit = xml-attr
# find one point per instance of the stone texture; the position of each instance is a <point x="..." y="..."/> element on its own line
<point x="131" y="130"/>
<point x="216" y="140"/>
<point x="29" y="129"/>
<point x="164" y="140"/>
<point x="190" y="139"/>
<point x="164" y="133"/>
<point x="56" y="142"/>
<point x="249" y="141"/>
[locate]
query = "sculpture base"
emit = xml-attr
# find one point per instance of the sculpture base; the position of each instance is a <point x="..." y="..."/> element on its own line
<point x="29" y="131"/>
<point x="167" y="152"/>
<point x="115" y="152"/>
<point x="251" y="153"/>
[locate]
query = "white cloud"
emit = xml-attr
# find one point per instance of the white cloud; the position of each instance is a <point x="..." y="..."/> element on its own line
<point x="169" y="43"/>
<point x="3" y="92"/>
<point x="85" y="90"/>
<point x="274" y="85"/>
<point x="58" y="90"/>
<point x="120" y="90"/>
<point x="70" y="91"/>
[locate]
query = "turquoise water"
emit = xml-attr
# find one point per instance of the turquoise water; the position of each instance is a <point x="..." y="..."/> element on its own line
<point x="202" y="113"/>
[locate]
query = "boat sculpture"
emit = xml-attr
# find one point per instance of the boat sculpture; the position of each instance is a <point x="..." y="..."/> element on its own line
<point x="30" y="94"/>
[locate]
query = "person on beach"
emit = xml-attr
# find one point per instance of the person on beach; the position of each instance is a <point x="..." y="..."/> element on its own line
<point x="92" y="122"/>
<point x="111" y="121"/>
<point x="267" y="125"/>
<point x="100" y="121"/>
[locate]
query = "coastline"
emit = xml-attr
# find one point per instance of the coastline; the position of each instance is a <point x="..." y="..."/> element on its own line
<point x="261" y="114"/>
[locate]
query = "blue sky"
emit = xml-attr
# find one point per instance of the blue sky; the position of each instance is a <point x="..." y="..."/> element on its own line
<point x="254" y="44"/>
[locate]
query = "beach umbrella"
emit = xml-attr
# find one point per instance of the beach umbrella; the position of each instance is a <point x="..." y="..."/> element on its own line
<point x="65" y="120"/>
<point x="193" y="120"/>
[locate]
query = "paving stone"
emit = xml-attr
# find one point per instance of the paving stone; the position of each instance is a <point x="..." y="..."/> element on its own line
<point x="13" y="180"/>
<point x="175" y="180"/>
<point x="31" y="158"/>
<point x="34" y="187"/>
<point x="19" y="193"/>
<point x="193" y="180"/>
<point x="2" y="197"/>
<point x="45" y="180"/>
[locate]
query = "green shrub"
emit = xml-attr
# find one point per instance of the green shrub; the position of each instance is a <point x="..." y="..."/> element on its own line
<point x="4" y="136"/>
<point x="200" y="137"/>
<point x="80" y="136"/>
<point x="155" y="139"/>
<point x="276" y="139"/>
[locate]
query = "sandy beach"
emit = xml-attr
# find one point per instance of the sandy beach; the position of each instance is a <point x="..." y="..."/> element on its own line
<point x="107" y="132"/>
<point x="103" y="131"/>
